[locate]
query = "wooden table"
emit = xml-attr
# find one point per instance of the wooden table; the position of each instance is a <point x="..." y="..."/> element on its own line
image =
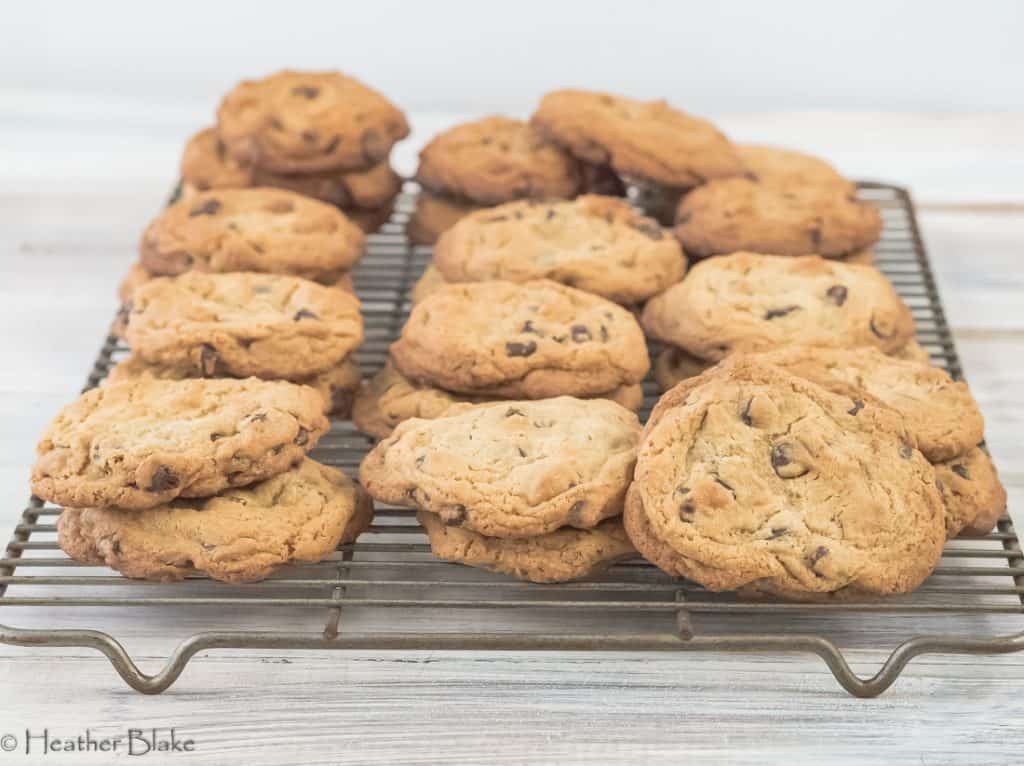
<point x="79" y="184"/>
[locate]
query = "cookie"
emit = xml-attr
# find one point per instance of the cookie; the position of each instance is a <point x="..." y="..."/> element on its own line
<point x="307" y="122"/>
<point x="734" y="214"/>
<point x="206" y="164"/>
<point x="337" y="385"/>
<point x="357" y="190"/>
<point x="512" y="468"/>
<point x="748" y="477"/>
<point x="560" y="556"/>
<point x="940" y="412"/>
<point x="601" y="245"/>
<point x="389" y="398"/>
<point x="646" y="140"/>
<point x="531" y="340"/>
<point x="264" y="230"/>
<point x="138" y="445"/>
<point x="973" y="495"/>
<point x="776" y="165"/>
<point x="239" y="535"/>
<point x="433" y="215"/>
<point x="752" y="302"/>
<point x="429" y="282"/>
<point x="673" y="365"/>
<point x="497" y="159"/>
<point x="266" y="325"/>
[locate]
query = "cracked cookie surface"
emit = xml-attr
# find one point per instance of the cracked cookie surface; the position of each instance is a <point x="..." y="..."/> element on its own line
<point x="598" y="244"/>
<point x="751" y="478"/>
<point x="753" y="302"/>
<point x="645" y="140"/>
<point x="510" y="469"/>
<point x="497" y="159"/>
<point x="531" y="340"/>
<point x="301" y="122"/>
<point x="239" y="535"/>
<point x="263" y="230"/>
<point x="734" y="214"/>
<point x="266" y="325"/>
<point x="560" y="556"/>
<point x="141" y="444"/>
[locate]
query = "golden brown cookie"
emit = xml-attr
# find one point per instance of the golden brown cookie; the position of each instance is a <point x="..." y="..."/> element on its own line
<point x="973" y="495"/>
<point x="435" y="214"/>
<point x="753" y="302"/>
<point x="510" y="469"/>
<point x="733" y="214"/>
<point x="140" y="444"/>
<point x="497" y="159"/>
<point x="599" y="244"/>
<point x="647" y="140"/>
<point x="307" y="122"/>
<point x="531" y="340"/>
<point x="242" y="324"/>
<point x="238" y="535"/>
<point x="265" y="230"/>
<point x="748" y="477"/>
<point x="560" y="556"/>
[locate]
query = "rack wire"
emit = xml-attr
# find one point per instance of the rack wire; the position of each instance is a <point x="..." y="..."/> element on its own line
<point x="385" y="591"/>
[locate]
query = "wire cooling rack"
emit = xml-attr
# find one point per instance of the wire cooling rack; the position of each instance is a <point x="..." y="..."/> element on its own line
<point x="386" y="592"/>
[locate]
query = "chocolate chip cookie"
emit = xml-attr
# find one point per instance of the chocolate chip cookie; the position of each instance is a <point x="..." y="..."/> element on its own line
<point x="266" y="325"/>
<point x="138" y="445"/>
<point x="599" y="244"/>
<point x="497" y="159"/>
<point x="337" y="385"/>
<point x="748" y="477"/>
<point x="265" y="230"/>
<point x="560" y="556"/>
<point x="389" y="398"/>
<point x="435" y="214"/>
<point x="776" y="165"/>
<point x="734" y="214"/>
<point x="940" y="412"/>
<point x="303" y="122"/>
<point x="239" y="535"/>
<point x="512" y="468"/>
<point x="646" y="140"/>
<point x="752" y="302"/>
<point x="973" y="495"/>
<point x="531" y="340"/>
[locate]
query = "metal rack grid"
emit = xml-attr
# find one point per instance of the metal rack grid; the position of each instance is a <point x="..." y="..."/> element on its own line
<point x="370" y="595"/>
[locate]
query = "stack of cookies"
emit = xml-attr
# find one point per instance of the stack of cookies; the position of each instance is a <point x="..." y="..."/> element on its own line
<point x="163" y="479"/>
<point x="490" y="161"/>
<point x="533" y="489"/>
<point x="321" y="134"/>
<point x="487" y="341"/>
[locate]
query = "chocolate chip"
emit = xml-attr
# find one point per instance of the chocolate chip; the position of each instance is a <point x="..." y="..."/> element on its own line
<point x="819" y="553"/>
<point x="332" y="144"/>
<point x="816" y="236"/>
<point x="208" y="358"/>
<point x="751" y="176"/>
<point x="258" y="417"/>
<point x="209" y="207"/>
<point x="495" y="219"/>
<point x="276" y="449"/>
<point x="454" y="516"/>
<point x="220" y="149"/>
<point x="116" y="547"/>
<point x="745" y="415"/>
<point x="276" y="124"/>
<point x="521" y="451"/>
<point x="215" y="436"/>
<point x="837" y="294"/>
<point x="785" y="463"/>
<point x="529" y="328"/>
<point x="550" y="214"/>
<point x="778" y="532"/>
<point x="648" y="228"/>
<point x="164" y="478"/>
<point x="559" y="338"/>
<point x="301" y="438"/>
<point x="604" y="334"/>
<point x="906" y="451"/>
<point x="858" y="405"/>
<point x="961" y="471"/>
<point x="682" y="490"/>
<point x="420" y="460"/>
<point x="513" y="412"/>
<point x="686" y="511"/>
<point x="310" y="136"/>
<point x="580" y="333"/>
<point x="776" y="313"/>
<point x="306" y="91"/>
<point x="304" y="313"/>
<point x="520" y="349"/>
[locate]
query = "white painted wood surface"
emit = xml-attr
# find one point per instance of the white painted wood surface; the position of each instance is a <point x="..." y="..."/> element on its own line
<point x="76" y="191"/>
